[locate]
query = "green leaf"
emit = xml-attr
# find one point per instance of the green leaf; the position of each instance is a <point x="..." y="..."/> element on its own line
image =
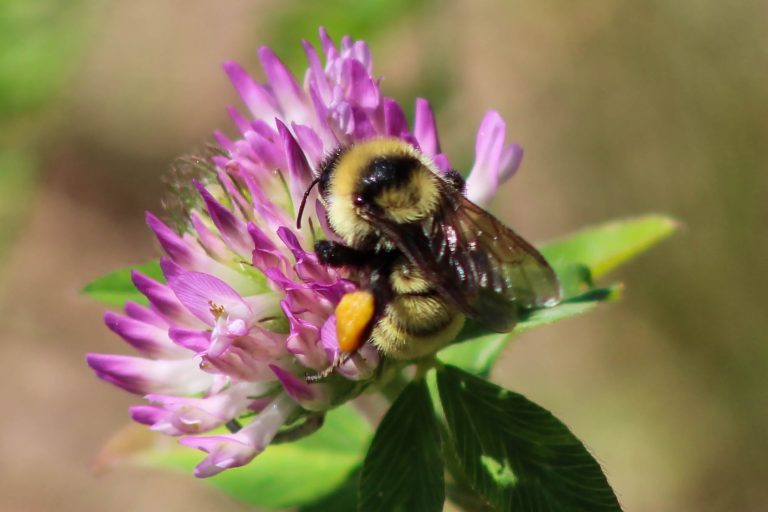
<point x="403" y="470"/>
<point x="116" y="288"/>
<point x="516" y="454"/>
<point x="577" y="259"/>
<point x="575" y="278"/>
<point x="572" y="306"/>
<point x="285" y="475"/>
<point x="602" y="248"/>
<point x="479" y="353"/>
<point x="476" y="349"/>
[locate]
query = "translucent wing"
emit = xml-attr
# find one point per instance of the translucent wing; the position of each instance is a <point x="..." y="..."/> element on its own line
<point x="482" y="267"/>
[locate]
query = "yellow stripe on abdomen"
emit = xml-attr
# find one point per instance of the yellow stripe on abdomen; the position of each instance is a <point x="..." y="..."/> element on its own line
<point x="415" y="325"/>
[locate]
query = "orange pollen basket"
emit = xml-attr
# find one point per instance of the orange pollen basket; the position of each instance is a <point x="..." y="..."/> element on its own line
<point x="353" y="315"/>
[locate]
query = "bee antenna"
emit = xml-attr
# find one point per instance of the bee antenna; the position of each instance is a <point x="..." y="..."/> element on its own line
<point x="304" y="201"/>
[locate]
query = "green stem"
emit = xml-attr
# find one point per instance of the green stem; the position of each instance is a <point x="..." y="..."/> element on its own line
<point x="394" y="384"/>
<point x="372" y="406"/>
<point x="457" y="487"/>
<point x="425" y="364"/>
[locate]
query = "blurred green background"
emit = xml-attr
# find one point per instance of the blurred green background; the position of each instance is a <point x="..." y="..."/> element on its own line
<point x="622" y="107"/>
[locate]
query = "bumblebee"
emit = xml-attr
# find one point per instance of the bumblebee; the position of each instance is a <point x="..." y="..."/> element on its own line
<point x="426" y="257"/>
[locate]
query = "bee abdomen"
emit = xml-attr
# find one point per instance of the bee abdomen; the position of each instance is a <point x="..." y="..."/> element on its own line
<point x="415" y="324"/>
<point x="419" y="314"/>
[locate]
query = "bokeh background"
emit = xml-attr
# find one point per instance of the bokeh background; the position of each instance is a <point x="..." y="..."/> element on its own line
<point x="622" y="107"/>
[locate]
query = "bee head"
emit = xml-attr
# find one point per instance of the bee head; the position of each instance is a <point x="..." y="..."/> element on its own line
<point x="394" y="182"/>
<point x="381" y="180"/>
<point x="385" y="185"/>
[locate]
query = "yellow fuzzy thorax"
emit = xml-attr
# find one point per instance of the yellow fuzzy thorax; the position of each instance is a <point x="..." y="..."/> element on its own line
<point x="411" y="202"/>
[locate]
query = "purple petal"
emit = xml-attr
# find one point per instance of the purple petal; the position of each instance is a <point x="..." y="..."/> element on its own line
<point x="316" y="73"/>
<point x="189" y="415"/>
<point x="304" y="340"/>
<point x="361" y="365"/>
<point x="322" y="125"/>
<point x="310" y="142"/>
<point x="192" y="339"/>
<point x="425" y="128"/>
<point x="170" y="268"/>
<point x="238" y="199"/>
<point x="322" y="218"/>
<point x="299" y="172"/>
<point x="284" y="86"/>
<point x="510" y="161"/>
<point x="144" y="376"/>
<point x="238" y="449"/>
<point x="197" y="291"/>
<point x="237" y="327"/>
<point x="223" y="162"/>
<point x="147" y="414"/>
<point x="345" y="46"/>
<point x="243" y="155"/>
<point x="410" y="139"/>
<point x="146" y="338"/>
<point x="265" y="254"/>
<point x="301" y="296"/>
<point x="307" y="267"/>
<point x="297" y="388"/>
<point x="121" y="371"/>
<point x="241" y="122"/>
<point x="358" y="85"/>
<point x="265" y="150"/>
<point x="178" y="249"/>
<point x="328" y="45"/>
<point x="259" y="101"/>
<point x="163" y="299"/>
<point x="334" y="291"/>
<point x="223" y="141"/>
<point x="145" y="315"/>
<point x="483" y="180"/>
<point x="395" y="123"/>
<point x="328" y="338"/>
<point x="262" y="345"/>
<point x="362" y="127"/>
<point x="258" y="345"/>
<point x="239" y="363"/>
<point x="343" y="118"/>
<point x="211" y="242"/>
<point x="269" y="215"/>
<point x="490" y="140"/>
<point x="288" y="237"/>
<point x="361" y="52"/>
<point x="232" y="229"/>
<point x="441" y="162"/>
<point x="225" y="452"/>
<point x="264" y="129"/>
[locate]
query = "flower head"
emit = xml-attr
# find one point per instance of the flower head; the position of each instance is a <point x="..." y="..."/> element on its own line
<point x="247" y="310"/>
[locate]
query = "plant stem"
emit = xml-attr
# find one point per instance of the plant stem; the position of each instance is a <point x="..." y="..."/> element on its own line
<point x="457" y="487"/>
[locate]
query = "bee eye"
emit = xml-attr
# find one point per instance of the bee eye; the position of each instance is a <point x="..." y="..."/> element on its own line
<point x="359" y="200"/>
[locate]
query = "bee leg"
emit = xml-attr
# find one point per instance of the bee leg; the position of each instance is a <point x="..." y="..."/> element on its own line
<point x="335" y="254"/>
<point x="321" y="376"/>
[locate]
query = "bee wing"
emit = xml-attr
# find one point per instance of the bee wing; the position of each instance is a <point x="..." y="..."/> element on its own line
<point x="482" y="267"/>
